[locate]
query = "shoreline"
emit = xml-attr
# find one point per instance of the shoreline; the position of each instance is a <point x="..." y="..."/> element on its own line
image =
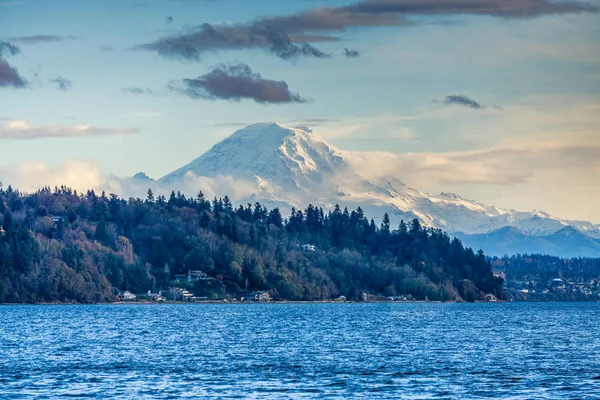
<point x="147" y="303"/>
<point x="243" y="302"/>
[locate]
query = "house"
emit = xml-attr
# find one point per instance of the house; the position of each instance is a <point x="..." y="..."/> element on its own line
<point x="156" y="296"/>
<point x="183" y="295"/>
<point x="558" y="285"/>
<point x="192" y="276"/>
<point x="490" y="297"/>
<point x="257" y="295"/>
<point x="196" y="276"/>
<point x="500" y="274"/>
<point x="127" y="296"/>
<point x="308" y="247"/>
<point x="57" y="218"/>
<point x="261" y="295"/>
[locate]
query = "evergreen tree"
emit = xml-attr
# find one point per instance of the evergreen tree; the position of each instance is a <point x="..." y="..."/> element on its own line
<point x="150" y="197"/>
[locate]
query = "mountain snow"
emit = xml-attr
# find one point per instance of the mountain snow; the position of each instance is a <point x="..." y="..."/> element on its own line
<point x="294" y="166"/>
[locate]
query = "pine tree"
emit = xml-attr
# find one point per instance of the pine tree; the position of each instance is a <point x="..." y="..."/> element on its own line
<point x="385" y="224"/>
<point x="150" y="197"/>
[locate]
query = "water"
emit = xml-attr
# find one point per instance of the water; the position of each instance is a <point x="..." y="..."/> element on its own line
<point x="375" y="351"/>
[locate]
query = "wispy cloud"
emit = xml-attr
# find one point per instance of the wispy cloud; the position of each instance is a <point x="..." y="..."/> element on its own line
<point x="290" y="37"/>
<point x="192" y="45"/>
<point x="21" y="130"/>
<point x="62" y="84"/>
<point x="8" y="49"/>
<point x="497" y="165"/>
<point x="136" y="90"/>
<point x="236" y="82"/>
<point x="84" y="175"/>
<point x="460" y="100"/>
<point x="351" y="53"/>
<point x="35" y="39"/>
<point x="107" y="48"/>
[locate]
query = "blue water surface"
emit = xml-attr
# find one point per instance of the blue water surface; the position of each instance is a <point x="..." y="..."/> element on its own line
<point x="375" y="351"/>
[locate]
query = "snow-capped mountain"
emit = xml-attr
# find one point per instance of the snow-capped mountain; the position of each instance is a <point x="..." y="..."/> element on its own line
<point x="294" y="166"/>
<point x="567" y="242"/>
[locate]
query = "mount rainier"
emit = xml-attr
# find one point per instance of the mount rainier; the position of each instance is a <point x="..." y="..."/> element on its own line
<point x="293" y="167"/>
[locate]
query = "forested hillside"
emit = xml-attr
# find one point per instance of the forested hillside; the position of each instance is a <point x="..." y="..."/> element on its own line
<point x="545" y="267"/>
<point x="58" y="245"/>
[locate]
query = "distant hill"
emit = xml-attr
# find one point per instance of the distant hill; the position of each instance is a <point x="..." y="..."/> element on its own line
<point x="567" y="242"/>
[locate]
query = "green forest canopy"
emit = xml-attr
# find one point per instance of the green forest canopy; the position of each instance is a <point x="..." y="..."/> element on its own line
<point x="103" y="244"/>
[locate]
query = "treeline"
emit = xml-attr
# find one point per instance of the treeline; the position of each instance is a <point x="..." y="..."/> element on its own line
<point x="60" y="245"/>
<point x="544" y="268"/>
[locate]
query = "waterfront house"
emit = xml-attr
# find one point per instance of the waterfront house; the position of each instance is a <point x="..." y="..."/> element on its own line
<point x="156" y="296"/>
<point x="127" y="296"/>
<point x="262" y="295"/>
<point x="183" y="295"/>
<point x="490" y="297"/>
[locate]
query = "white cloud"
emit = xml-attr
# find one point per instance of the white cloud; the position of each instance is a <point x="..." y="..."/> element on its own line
<point x="82" y="176"/>
<point x="500" y="165"/>
<point x="31" y="176"/>
<point x="19" y="129"/>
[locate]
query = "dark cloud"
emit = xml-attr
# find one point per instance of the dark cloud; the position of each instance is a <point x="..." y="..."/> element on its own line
<point x="291" y="36"/>
<point x="9" y="76"/>
<point x="169" y="20"/>
<point x="136" y="90"/>
<point x="35" y="39"/>
<point x="236" y="82"/>
<point x="107" y="48"/>
<point x="193" y="44"/>
<point x="62" y="83"/>
<point x="497" y="8"/>
<point x="351" y="53"/>
<point x="460" y="100"/>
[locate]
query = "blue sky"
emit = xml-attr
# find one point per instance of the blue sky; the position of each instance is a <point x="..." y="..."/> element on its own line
<point x="539" y="149"/>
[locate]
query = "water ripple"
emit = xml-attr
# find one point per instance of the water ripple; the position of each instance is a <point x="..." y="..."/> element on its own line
<point x="412" y="351"/>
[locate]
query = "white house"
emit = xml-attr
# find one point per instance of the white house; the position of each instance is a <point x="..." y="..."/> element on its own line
<point x="127" y="296"/>
<point x="262" y="295"/>
<point x="156" y="296"/>
<point x="308" y="247"/>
